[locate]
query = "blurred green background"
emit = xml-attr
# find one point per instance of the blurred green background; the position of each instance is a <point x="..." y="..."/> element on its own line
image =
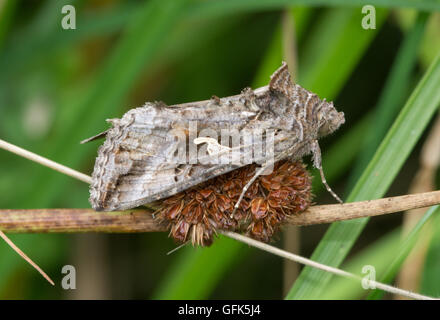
<point x="58" y="86"/>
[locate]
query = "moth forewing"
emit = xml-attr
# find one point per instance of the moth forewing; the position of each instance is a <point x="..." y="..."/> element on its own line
<point x="135" y="165"/>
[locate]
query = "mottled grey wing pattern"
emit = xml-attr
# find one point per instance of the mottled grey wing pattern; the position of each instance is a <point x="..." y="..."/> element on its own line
<point x="133" y="165"/>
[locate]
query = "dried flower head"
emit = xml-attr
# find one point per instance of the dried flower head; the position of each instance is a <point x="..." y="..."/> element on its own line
<point x="197" y="213"/>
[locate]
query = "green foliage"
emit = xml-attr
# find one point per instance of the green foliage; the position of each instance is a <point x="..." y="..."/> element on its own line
<point x="375" y="180"/>
<point x="339" y="22"/>
<point x="404" y="250"/>
<point x="125" y="53"/>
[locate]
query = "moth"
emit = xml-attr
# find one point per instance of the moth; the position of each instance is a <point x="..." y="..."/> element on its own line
<point x="133" y="166"/>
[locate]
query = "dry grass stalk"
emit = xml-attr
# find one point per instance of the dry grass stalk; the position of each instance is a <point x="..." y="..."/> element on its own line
<point x="410" y="274"/>
<point x="292" y="239"/>
<point x="88" y="220"/>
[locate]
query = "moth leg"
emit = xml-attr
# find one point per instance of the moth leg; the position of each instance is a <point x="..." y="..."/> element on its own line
<point x="247" y="186"/>
<point x="317" y="162"/>
<point x="263" y="168"/>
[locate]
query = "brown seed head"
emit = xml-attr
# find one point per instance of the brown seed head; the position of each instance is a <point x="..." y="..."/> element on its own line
<point x="197" y="213"/>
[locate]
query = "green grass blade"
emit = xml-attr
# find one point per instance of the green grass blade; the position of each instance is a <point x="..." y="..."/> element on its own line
<point x="211" y="8"/>
<point x="19" y="56"/>
<point x="374" y="182"/>
<point x="377" y="254"/>
<point x="7" y="10"/>
<point x="430" y="278"/>
<point x="403" y="252"/>
<point x="340" y="155"/>
<point x="393" y="94"/>
<point x="326" y="72"/>
<point x="144" y="35"/>
<point x="196" y="265"/>
<point x="351" y="57"/>
<point x="380" y="254"/>
<point x="274" y="54"/>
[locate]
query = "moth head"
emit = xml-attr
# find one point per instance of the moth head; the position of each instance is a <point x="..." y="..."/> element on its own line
<point x="329" y="119"/>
